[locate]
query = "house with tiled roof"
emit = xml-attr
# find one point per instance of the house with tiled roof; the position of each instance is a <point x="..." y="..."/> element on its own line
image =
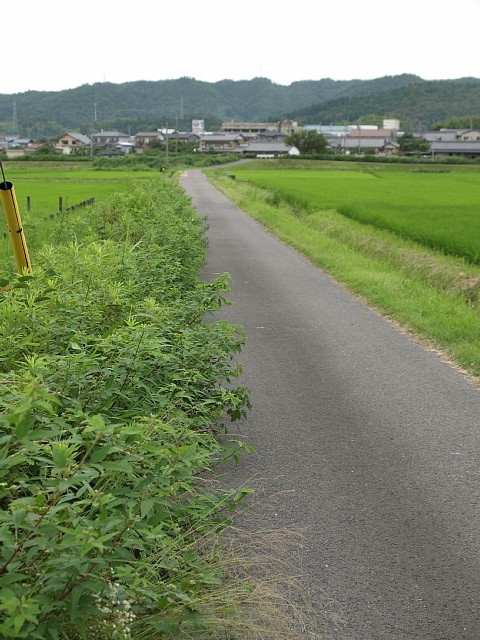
<point x="143" y="139"/>
<point x="68" y="142"/>
<point x="453" y="142"/>
<point x="220" y="142"/>
<point x="263" y="149"/>
<point x="463" y="148"/>
<point x="109" y="138"/>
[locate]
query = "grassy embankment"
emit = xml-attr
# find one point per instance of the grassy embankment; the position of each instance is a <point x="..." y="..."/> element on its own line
<point x="404" y="238"/>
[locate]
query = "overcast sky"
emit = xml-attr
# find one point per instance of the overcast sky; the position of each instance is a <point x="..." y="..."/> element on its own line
<point x="51" y="45"/>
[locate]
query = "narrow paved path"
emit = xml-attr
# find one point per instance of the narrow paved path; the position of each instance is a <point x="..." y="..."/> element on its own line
<point x="367" y="443"/>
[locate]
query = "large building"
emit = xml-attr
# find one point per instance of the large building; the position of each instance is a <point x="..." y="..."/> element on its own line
<point x="285" y="126"/>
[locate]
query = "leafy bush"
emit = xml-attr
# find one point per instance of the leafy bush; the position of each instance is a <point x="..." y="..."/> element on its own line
<point x="158" y="161"/>
<point x="115" y="388"/>
<point x="46" y="151"/>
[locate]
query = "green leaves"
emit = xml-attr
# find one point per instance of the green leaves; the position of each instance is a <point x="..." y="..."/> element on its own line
<point x="59" y="456"/>
<point x="113" y="388"/>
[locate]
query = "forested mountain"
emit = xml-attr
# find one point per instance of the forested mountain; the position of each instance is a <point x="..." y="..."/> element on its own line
<point x="418" y="106"/>
<point x="146" y="105"/>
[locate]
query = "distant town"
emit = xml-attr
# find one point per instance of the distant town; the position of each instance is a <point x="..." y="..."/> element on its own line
<point x="257" y="139"/>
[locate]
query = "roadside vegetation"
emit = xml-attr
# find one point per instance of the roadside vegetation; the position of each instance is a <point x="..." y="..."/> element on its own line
<point x="117" y="391"/>
<point x="43" y="188"/>
<point x="405" y="238"/>
<point x="154" y="158"/>
<point x="39" y="187"/>
<point x="119" y="398"/>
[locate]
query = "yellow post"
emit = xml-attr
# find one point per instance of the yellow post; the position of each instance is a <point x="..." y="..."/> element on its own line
<point x="14" y="223"/>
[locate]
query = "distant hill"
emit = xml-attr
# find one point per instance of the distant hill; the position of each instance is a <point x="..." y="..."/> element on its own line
<point x="144" y="105"/>
<point x="418" y="105"/>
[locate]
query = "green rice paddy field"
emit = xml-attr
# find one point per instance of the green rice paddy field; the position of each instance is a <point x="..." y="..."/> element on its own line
<point x="406" y="238"/>
<point x="439" y="208"/>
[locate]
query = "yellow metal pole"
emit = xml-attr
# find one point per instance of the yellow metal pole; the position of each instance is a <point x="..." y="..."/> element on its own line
<point x="14" y="223"/>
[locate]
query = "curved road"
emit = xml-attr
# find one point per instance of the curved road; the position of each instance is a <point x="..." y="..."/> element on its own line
<point x="367" y="443"/>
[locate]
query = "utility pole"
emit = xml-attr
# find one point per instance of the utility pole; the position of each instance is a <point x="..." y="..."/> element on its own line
<point x="94" y="126"/>
<point x="14" y="119"/>
<point x="166" y="142"/>
<point x="176" y="133"/>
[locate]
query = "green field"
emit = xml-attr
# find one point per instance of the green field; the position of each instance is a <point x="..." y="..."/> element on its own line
<point x="45" y="184"/>
<point x="439" y="208"/>
<point x="404" y="238"/>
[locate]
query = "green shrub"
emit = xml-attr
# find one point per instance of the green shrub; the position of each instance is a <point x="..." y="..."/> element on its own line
<point x="115" y="386"/>
<point x="157" y="161"/>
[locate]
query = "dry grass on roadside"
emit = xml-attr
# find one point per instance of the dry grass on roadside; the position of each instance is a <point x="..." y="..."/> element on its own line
<point x="262" y="599"/>
<point x="264" y="567"/>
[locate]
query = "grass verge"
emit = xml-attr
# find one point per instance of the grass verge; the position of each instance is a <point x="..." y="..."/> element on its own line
<point x="435" y="298"/>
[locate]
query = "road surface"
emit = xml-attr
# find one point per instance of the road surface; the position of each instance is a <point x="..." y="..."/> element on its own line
<point x="367" y="443"/>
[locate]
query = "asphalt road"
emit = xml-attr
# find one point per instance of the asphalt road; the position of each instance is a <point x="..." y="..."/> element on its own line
<point x="367" y="443"/>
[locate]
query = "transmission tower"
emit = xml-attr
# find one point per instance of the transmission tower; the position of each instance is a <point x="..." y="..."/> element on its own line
<point x="14" y="119"/>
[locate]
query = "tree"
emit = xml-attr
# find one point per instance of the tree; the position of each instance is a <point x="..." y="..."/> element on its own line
<point x="459" y="122"/>
<point x="308" y="141"/>
<point x="409" y="143"/>
<point x="46" y="152"/>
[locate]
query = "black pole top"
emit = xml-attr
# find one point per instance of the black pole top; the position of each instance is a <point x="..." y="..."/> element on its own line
<point x="4" y="186"/>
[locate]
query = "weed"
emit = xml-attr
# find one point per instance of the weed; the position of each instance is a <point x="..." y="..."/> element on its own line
<point x="115" y="383"/>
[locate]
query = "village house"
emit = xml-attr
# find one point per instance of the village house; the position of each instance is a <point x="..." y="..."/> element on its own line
<point x="470" y="135"/>
<point x="450" y="135"/>
<point x="143" y="139"/>
<point x="464" y="148"/>
<point x="109" y="139"/>
<point x="445" y="143"/>
<point x="389" y="149"/>
<point x="272" y="136"/>
<point x="177" y="138"/>
<point x="16" y="147"/>
<point x="267" y="149"/>
<point x="263" y="139"/>
<point x="362" y="139"/>
<point x="69" y="142"/>
<point x="220" y="142"/>
<point x="372" y="133"/>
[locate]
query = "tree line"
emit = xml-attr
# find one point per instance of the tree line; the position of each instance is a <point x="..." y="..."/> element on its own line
<point x="146" y="106"/>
